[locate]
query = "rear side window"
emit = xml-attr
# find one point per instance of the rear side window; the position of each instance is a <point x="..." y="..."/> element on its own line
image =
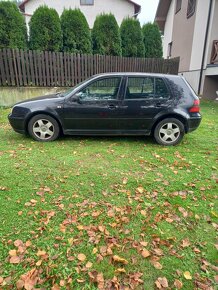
<point x="140" y="88"/>
<point x="161" y="91"/>
<point x="146" y="88"/>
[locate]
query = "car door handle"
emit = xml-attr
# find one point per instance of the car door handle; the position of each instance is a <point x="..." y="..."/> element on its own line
<point x="112" y="107"/>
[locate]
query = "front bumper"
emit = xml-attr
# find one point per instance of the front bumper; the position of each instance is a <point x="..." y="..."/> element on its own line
<point x="194" y="122"/>
<point x="17" y="123"/>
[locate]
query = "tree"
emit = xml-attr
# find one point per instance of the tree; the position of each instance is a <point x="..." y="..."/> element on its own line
<point x="105" y="35"/>
<point x="132" y="38"/>
<point x="13" y="32"/>
<point x="76" y="33"/>
<point x="45" y="30"/>
<point x="152" y="40"/>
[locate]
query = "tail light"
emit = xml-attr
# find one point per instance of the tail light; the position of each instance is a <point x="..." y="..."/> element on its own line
<point x="196" y="107"/>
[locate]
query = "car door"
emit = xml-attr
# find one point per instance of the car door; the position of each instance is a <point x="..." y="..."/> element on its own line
<point x="144" y="98"/>
<point x="95" y="107"/>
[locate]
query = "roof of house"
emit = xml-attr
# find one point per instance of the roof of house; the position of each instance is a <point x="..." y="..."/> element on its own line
<point x="137" y="6"/>
<point x="161" y="14"/>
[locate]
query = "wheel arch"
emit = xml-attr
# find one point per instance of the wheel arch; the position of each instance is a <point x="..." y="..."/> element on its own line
<point x="43" y="113"/>
<point x="171" y="115"/>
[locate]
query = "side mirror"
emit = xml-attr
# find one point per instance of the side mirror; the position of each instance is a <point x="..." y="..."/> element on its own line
<point x="76" y="98"/>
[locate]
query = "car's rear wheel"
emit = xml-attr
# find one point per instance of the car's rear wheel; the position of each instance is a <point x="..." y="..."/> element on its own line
<point x="169" y="132"/>
<point x="43" y="128"/>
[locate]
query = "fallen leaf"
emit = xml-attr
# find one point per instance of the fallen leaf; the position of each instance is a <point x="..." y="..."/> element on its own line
<point x="145" y="253"/>
<point x="185" y="243"/>
<point x="20" y="284"/>
<point x="161" y="283"/>
<point x="55" y="287"/>
<point x="120" y="260"/>
<point x="120" y="271"/>
<point x="140" y="189"/>
<point x="125" y="180"/>
<point x="81" y="257"/>
<point x="157" y="265"/>
<point x="1" y="280"/>
<point x="187" y="275"/>
<point x="88" y="265"/>
<point x="178" y="284"/>
<point x="41" y="253"/>
<point x="13" y="253"/>
<point x="39" y="263"/>
<point x="18" y="243"/>
<point x="15" y="260"/>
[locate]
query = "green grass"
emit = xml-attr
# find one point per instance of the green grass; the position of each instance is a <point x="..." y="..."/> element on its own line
<point x="78" y="194"/>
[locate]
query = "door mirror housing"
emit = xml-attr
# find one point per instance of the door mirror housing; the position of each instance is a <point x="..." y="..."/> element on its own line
<point x="76" y="98"/>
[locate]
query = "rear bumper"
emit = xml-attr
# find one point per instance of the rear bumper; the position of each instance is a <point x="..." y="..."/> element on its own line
<point x="17" y="123"/>
<point x="193" y="123"/>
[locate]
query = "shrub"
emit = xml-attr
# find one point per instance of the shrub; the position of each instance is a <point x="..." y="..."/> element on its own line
<point x="106" y="36"/>
<point x="76" y="33"/>
<point x="132" y="38"/>
<point x="13" y="32"/>
<point x="152" y="40"/>
<point x="45" y="30"/>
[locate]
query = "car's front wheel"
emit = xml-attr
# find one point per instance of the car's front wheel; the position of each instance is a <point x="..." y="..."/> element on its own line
<point x="169" y="132"/>
<point x="43" y="128"/>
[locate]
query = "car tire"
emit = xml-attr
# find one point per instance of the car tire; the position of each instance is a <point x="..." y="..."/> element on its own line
<point x="43" y="128"/>
<point x="169" y="132"/>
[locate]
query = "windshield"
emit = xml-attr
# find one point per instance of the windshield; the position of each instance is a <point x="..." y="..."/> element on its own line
<point x="68" y="92"/>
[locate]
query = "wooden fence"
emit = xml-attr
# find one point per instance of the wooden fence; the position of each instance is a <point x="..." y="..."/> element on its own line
<point x="49" y="69"/>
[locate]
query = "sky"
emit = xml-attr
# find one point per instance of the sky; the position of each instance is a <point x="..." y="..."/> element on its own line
<point x="148" y="12"/>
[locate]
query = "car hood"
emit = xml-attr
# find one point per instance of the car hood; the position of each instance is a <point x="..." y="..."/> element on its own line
<point x="41" y="98"/>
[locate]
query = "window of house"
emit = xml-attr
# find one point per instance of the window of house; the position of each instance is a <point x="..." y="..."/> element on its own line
<point x="191" y="8"/>
<point x="178" y="5"/>
<point x="86" y="2"/>
<point x="169" y="53"/>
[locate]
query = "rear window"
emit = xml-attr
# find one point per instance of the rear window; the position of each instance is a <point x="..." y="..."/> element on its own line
<point x="180" y="88"/>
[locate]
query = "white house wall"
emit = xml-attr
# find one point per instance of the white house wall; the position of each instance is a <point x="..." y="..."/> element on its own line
<point x="168" y="31"/>
<point x="120" y="8"/>
<point x="199" y="34"/>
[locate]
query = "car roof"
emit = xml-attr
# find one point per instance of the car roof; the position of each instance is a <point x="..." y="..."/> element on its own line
<point x="136" y="74"/>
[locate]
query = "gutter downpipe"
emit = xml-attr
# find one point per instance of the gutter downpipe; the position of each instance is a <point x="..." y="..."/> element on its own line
<point x="205" y="47"/>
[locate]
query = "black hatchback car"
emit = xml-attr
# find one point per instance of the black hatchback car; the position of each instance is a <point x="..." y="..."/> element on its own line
<point x="164" y="106"/>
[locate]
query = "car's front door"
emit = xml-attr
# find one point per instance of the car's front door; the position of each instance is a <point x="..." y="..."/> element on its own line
<point x="145" y="97"/>
<point x="95" y="108"/>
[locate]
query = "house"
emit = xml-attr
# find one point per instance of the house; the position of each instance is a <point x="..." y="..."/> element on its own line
<point x="90" y="8"/>
<point x="190" y="29"/>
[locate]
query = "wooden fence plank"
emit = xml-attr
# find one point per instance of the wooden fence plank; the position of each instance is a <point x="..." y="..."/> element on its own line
<point x="11" y="67"/>
<point x="32" y="74"/>
<point x="7" y="73"/>
<point x="2" y="70"/>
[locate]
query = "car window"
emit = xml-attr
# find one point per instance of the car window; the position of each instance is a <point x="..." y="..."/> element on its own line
<point x="103" y="89"/>
<point x="140" y="88"/>
<point x="161" y="91"/>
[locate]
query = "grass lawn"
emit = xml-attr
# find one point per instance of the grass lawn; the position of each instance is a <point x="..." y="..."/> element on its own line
<point x="109" y="213"/>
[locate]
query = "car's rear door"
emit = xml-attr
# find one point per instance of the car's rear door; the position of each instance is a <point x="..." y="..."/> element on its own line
<point x="96" y="110"/>
<point x="144" y="98"/>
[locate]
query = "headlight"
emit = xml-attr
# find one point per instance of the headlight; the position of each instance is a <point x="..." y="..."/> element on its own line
<point x="19" y="111"/>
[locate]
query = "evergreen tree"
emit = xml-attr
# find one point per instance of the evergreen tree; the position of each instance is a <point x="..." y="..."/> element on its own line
<point x="105" y="35"/>
<point x="152" y="40"/>
<point x="132" y="38"/>
<point x="45" y="30"/>
<point x="13" y="32"/>
<point x="76" y="33"/>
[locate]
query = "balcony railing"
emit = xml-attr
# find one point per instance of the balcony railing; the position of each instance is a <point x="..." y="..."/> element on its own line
<point x="214" y="54"/>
